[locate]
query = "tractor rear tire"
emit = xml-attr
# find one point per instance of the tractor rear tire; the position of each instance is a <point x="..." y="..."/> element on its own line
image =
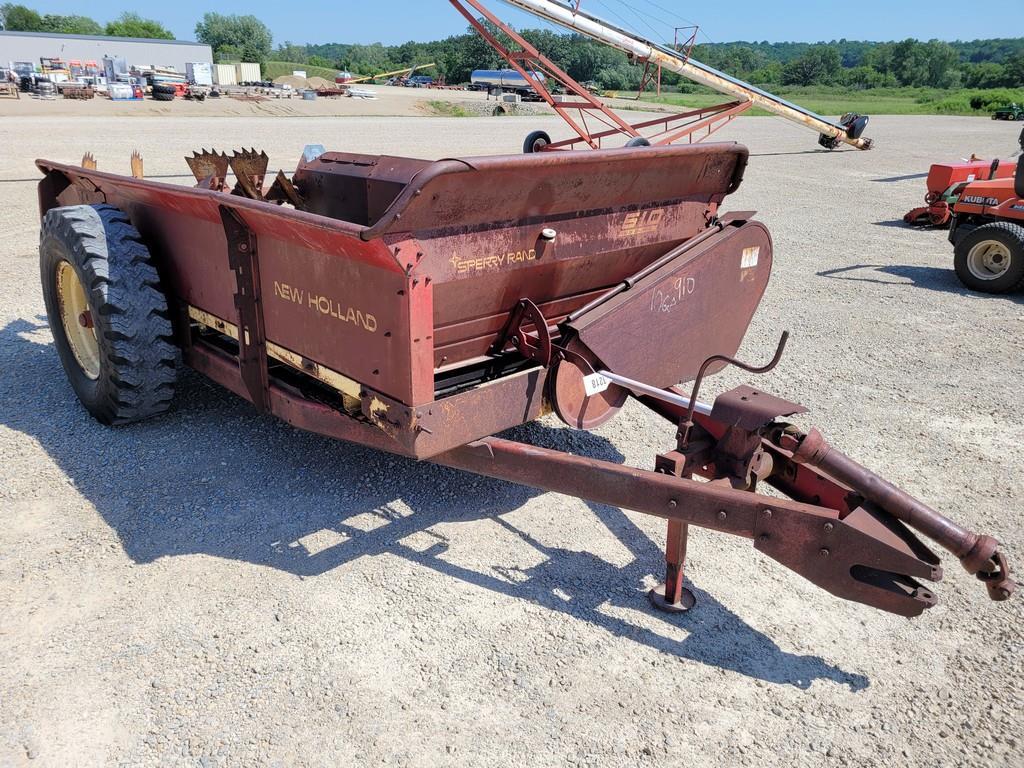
<point x="108" y="313"/>
<point x="990" y="258"/>
<point x="637" y="141"/>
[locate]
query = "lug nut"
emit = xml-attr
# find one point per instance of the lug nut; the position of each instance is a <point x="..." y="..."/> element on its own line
<point x="672" y="503"/>
<point x="85" y="319"/>
<point x="722" y="514"/>
<point x="824" y="552"/>
<point x="828" y="527"/>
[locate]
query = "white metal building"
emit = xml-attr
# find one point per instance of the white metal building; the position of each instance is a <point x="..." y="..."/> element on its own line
<point x="31" y="46"/>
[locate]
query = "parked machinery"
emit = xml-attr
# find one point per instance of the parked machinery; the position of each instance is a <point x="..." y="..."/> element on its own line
<point x="581" y="105"/>
<point x="1012" y="112"/>
<point x="987" y="232"/>
<point x="381" y="300"/>
<point x="500" y="81"/>
<point x="946" y="182"/>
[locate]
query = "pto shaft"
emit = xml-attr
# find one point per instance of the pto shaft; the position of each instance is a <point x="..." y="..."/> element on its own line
<point x="979" y="554"/>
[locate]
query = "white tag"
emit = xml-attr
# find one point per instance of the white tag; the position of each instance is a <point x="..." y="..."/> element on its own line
<point x="595" y="384"/>
<point x="750" y="257"/>
<point x="972" y="177"/>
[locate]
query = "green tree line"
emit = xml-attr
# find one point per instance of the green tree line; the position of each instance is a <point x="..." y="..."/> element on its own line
<point x="976" y="64"/>
<point x="232" y="38"/>
<point x="993" y="63"/>
<point x="19" y="18"/>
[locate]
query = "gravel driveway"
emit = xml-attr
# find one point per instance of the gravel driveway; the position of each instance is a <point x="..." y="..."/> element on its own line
<point x="217" y="588"/>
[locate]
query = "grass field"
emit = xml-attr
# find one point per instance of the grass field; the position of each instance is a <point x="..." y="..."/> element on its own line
<point x="274" y="69"/>
<point x="880" y="101"/>
<point x="820" y="99"/>
<point x="447" y="109"/>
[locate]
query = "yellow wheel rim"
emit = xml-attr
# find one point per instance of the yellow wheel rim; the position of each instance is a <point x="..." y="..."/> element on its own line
<point x="77" y="319"/>
<point x="989" y="260"/>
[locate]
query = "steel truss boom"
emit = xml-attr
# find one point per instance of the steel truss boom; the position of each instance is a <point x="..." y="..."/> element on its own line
<point x="644" y="50"/>
<point x="692" y="125"/>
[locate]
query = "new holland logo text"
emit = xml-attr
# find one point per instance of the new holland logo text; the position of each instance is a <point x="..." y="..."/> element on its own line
<point x="326" y="306"/>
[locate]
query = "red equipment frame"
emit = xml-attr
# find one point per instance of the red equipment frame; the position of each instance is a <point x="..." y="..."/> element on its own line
<point x="699" y="123"/>
<point x="388" y="307"/>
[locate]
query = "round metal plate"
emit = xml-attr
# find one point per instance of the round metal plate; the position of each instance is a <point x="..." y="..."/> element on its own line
<point x="657" y="598"/>
<point x="569" y="398"/>
<point x="989" y="260"/>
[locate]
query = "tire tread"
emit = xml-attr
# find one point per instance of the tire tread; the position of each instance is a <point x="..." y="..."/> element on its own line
<point x="139" y="358"/>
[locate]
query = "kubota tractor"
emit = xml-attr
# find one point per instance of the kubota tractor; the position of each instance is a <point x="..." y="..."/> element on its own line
<point x="947" y="181"/>
<point x="987" y="232"/>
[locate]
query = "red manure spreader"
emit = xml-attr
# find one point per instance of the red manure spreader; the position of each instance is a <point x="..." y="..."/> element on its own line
<point x="424" y="307"/>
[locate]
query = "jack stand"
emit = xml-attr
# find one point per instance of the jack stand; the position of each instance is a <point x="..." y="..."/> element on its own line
<point x="672" y="596"/>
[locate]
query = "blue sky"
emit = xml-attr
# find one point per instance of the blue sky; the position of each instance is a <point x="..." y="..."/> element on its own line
<point x="395" y="21"/>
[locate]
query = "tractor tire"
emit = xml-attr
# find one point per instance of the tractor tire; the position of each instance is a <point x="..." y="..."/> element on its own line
<point x="164" y="92"/>
<point x="990" y="259"/>
<point x="637" y="141"/>
<point x="108" y="313"/>
<point x="536" y="142"/>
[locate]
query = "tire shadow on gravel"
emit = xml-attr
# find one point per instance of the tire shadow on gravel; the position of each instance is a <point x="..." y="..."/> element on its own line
<point x="933" y="278"/>
<point x="215" y="478"/>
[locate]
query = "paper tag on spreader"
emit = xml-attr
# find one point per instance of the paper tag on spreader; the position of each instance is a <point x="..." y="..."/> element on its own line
<point x="595" y="384"/>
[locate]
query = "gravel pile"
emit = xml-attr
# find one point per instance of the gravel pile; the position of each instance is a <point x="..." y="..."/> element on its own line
<point x="215" y="588"/>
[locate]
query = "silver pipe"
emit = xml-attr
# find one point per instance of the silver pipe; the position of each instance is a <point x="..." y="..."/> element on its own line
<point x="658" y="394"/>
<point x="690" y="68"/>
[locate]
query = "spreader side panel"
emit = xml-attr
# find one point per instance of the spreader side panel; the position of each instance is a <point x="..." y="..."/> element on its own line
<point x="325" y="294"/>
<point x="696" y="306"/>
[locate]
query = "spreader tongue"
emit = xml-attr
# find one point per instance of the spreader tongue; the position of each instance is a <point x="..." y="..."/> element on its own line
<point x="979" y="554"/>
<point x="866" y="557"/>
<point x="847" y="530"/>
<point x="850" y="532"/>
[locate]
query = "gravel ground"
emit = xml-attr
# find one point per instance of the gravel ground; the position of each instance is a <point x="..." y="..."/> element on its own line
<point x="216" y="588"/>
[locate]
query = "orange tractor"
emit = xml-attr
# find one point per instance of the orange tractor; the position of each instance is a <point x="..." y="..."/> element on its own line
<point x="987" y="232"/>
<point x="946" y="183"/>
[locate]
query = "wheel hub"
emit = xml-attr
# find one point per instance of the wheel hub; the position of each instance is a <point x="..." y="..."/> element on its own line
<point x="988" y="260"/>
<point x="568" y="394"/>
<point x="76" y="319"/>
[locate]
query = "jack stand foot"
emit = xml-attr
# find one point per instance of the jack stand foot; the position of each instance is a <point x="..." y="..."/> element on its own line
<point x="686" y="600"/>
